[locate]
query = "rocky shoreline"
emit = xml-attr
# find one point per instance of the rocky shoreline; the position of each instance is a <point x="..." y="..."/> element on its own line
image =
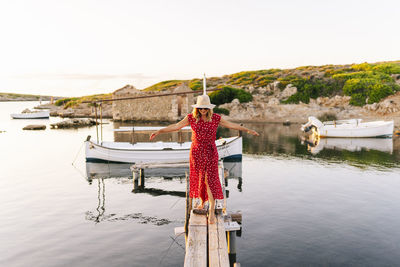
<point x="269" y="110"/>
<point x="267" y="105"/>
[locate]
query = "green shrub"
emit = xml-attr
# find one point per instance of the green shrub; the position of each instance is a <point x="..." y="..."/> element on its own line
<point x="243" y="96"/>
<point x="363" y="75"/>
<point x="378" y="92"/>
<point x="362" y="67"/>
<point x="196" y="84"/>
<point x="358" y="100"/>
<point x="313" y="88"/>
<point x="63" y="101"/>
<point x="164" y="85"/>
<point x="227" y="94"/>
<point x="372" y="89"/>
<point x="221" y="110"/>
<point x="328" y="116"/>
<point x="387" y="68"/>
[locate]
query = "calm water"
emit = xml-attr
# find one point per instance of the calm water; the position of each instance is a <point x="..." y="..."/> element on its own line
<point x="303" y="204"/>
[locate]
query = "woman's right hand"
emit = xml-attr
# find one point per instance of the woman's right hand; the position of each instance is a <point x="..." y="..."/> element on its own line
<point x="154" y="134"/>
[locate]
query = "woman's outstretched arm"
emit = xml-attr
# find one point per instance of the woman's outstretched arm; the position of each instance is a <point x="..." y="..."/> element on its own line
<point x="236" y="126"/>
<point x="171" y="128"/>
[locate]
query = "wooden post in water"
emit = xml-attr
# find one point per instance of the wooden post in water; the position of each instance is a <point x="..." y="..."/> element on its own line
<point x="232" y="246"/>
<point x="101" y="122"/>
<point x="240" y="132"/>
<point x="138" y="179"/>
<point x="97" y="128"/>
<point x="141" y="178"/>
<point x="133" y="135"/>
<point x="188" y="206"/>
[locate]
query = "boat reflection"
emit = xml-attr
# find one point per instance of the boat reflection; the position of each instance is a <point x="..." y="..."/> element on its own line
<point x="315" y="144"/>
<point x="114" y="170"/>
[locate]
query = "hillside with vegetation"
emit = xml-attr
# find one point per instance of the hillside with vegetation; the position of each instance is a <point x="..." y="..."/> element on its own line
<point x="365" y="83"/>
<point x="22" y="97"/>
<point x="367" y="90"/>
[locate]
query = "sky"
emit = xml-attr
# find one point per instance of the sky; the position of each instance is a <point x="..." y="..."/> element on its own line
<point x="82" y="47"/>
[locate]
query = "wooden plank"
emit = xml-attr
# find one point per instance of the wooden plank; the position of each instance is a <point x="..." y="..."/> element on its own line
<point x="217" y="247"/>
<point x="196" y="244"/>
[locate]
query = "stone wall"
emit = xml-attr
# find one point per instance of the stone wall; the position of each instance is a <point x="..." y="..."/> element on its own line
<point x="163" y="108"/>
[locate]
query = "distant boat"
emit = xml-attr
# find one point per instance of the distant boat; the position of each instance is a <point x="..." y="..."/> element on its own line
<point x="32" y="115"/>
<point x="124" y="152"/>
<point x="349" y="128"/>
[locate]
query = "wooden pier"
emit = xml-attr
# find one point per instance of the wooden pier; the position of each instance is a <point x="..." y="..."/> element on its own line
<point x="206" y="244"/>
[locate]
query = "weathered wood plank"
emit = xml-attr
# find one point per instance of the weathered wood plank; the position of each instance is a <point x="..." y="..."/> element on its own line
<point x="196" y="244"/>
<point x="217" y="247"/>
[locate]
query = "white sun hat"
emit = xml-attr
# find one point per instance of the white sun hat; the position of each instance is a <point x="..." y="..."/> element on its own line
<point x="203" y="101"/>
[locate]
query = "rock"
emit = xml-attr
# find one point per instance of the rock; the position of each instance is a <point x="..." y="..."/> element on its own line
<point x="287" y="92"/>
<point x="34" y="127"/>
<point x="251" y="89"/>
<point x="336" y="101"/>
<point x="73" y="123"/>
<point x="273" y="101"/>
<point x="235" y="101"/>
<point x="275" y="85"/>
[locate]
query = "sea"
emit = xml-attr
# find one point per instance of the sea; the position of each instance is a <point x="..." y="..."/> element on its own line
<point x="328" y="202"/>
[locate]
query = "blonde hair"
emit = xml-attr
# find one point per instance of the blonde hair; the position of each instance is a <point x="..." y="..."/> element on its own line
<point x="197" y="114"/>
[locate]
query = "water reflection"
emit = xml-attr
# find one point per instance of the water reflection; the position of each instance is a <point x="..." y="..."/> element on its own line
<point x="277" y="139"/>
<point x="316" y="144"/>
<point x="99" y="214"/>
<point x="114" y="170"/>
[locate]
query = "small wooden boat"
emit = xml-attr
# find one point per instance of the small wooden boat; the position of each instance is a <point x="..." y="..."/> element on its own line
<point x="124" y="152"/>
<point x="349" y="128"/>
<point x="32" y="115"/>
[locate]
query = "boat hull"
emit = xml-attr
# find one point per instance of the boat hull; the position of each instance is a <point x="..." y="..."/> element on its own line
<point x="34" y="115"/>
<point x="353" y="128"/>
<point x="229" y="148"/>
<point x="363" y="130"/>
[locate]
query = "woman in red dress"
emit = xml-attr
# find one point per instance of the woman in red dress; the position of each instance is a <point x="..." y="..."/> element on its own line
<point x="204" y="179"/>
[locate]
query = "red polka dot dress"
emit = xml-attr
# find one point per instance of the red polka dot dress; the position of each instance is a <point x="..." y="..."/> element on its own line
<point x="204" y="158"/>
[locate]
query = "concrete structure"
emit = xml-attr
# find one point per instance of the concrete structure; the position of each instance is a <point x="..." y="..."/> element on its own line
<point x="163" y="108"/>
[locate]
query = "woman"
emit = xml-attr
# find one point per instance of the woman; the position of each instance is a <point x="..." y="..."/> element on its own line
<point x="204" y="179"/>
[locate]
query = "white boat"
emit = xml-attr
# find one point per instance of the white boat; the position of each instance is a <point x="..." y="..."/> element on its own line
<point x="316" y="145"/>
<point x="349" y="128"/>
<point x="32" y="115"/>
<point x="124" y="152"/>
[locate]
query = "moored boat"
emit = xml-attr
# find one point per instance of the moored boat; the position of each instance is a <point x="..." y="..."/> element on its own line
<point x="32" y="115"/>
<point x="124" y="152"/>
<point x="349" y="128"/>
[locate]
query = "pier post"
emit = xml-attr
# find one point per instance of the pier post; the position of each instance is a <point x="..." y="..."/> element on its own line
<point x="135" y="179"/>
<point x="231" y="239"/>
<point x="138" y="179"/>
<point x="141" y="178"/>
